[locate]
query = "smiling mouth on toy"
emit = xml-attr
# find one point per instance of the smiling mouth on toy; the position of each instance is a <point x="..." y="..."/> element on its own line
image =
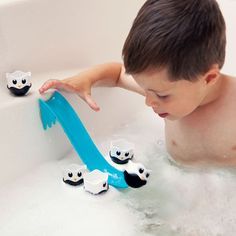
<point x="74" y="183"/>
<point x="19" y="92"/>
<point x="133" y="180"/>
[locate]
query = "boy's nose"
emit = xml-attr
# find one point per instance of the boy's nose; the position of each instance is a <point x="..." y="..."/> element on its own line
<point x="151" y="101"/>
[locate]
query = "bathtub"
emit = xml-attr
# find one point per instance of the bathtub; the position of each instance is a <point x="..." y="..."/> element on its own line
<point x="56" y="39"/>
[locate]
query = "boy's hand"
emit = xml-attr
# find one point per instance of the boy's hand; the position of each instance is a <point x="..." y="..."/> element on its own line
<point x="71" y="85"/>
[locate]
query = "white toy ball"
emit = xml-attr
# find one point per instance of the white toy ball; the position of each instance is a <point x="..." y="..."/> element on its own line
<point x="96" y="182"/>
<point x="74" y="174"/>
<point x="136" y="175"/>
<point x="121" y="151"/>
<point x="19" y="82"/>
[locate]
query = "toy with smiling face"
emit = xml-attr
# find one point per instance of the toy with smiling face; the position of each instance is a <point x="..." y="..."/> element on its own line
<point x="74" y="174"/>
<point x="121" y="151"/>
<point x="18" y="82"/>
<point x="96" y="182"/>
<point x="136" y="175"/>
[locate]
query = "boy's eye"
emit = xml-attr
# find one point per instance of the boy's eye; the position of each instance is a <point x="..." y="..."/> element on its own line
<point x="23" y="81"/>
<point x="162" y="97"/>
<point x="14" y="81"/>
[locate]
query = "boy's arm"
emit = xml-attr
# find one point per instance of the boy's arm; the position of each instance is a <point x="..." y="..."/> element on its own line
<point x="108" y="75"/>
<point x="127" y="82"/>
<point x="116" y="77"/>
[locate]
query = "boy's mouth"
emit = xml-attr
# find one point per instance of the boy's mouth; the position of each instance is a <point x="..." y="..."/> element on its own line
<point x="163" y="115"/>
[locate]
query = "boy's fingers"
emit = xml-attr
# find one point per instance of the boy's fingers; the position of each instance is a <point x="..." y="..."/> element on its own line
<point x="47" y="85"/>
<point x="55" y="84"/>
<point x="91" y="102"/>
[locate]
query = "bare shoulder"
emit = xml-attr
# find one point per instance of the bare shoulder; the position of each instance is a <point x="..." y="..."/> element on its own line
<point x="231" y="80"/>
<point x="230" y="89"/>
<point x="227" y="104"/>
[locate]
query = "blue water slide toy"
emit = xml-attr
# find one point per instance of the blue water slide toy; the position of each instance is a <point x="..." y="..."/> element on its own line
<point x="58" y="109"/>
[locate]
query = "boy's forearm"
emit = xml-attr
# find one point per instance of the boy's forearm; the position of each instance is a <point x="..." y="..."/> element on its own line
<point x="113" y="75"/>
<point x="127" y="82"/>
<point x="105" y="74"/>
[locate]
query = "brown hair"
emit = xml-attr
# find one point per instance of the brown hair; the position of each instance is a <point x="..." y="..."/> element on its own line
<point x="185" y="36"/>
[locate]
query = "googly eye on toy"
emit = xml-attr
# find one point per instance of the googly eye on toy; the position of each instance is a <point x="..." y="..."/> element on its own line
<point x="136" y="175"/>
<point x="19" y="82"/>
<point x="121" y="151"/>
<point x="74" y="174"/>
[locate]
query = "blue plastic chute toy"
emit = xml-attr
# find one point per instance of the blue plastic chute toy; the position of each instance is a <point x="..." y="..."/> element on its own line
<point x="58" y="109"/>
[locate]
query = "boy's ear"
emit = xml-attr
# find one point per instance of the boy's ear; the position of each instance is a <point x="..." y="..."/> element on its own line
<point x="212" y="74"/>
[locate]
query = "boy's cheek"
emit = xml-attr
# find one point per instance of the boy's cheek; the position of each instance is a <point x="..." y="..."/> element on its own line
<point x="180" y="110"/>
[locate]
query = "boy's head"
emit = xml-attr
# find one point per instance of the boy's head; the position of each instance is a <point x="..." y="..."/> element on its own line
<point x="185" y="37"/>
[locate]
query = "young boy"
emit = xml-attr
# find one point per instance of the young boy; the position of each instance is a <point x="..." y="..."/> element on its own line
<point x="173" y="56"/>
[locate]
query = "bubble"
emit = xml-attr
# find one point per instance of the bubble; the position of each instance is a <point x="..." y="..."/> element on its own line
<point x="160" y="142"/>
